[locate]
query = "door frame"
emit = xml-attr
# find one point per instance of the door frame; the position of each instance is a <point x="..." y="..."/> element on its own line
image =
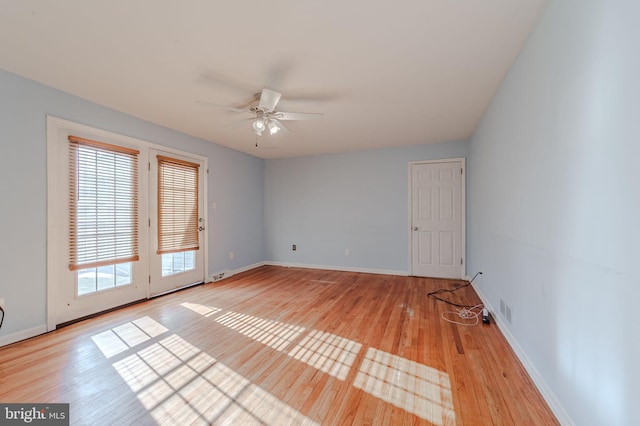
<point x="463" y="208"/>
<point x="57" y="259"/>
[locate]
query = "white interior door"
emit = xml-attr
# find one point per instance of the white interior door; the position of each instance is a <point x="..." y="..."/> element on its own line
<point x="172" y="269"/>
<point x="437" y="219"/>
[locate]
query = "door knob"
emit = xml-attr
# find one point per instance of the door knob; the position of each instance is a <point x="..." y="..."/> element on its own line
<point x="415" y="228"/>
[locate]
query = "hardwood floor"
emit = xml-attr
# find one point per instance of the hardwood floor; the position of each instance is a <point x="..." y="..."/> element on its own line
<point x="280" y="346"/>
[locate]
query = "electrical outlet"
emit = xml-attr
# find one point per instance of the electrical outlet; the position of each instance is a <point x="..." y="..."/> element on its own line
<point x="502" y="307"/>
<point x="232" y="255"/>
<point x="293" y="247"/>
<point x="2" y="302"/>
<point x="347" y="252"/>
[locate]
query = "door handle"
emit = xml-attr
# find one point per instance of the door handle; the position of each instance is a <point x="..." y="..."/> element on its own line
<point x="415" y="228"/>
<point x="201" y="228"/>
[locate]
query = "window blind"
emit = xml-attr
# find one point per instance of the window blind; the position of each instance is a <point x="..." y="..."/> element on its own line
<point x="103" y="200"/>
<point x="177" y="205"/>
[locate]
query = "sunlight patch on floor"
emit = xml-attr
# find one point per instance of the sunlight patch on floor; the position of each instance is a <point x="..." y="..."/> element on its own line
<point x="275" y="334"/>
<point x="203" y="310"/>
<point x="119" y="339"/>
<point x="416" y="388"/>
<point x="180" y="384"/>
<point x="327" y="352"/>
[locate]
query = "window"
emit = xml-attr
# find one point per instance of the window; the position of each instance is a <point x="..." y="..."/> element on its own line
<point x="177" y="205"/>
<point x="173" y="263"/>
<point x="103" y="219"/>
<point x="177" y="214"/>
<point x="92" y="280"/>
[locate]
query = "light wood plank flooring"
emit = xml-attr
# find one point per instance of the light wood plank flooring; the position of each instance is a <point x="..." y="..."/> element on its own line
<point x="280" y="346"/>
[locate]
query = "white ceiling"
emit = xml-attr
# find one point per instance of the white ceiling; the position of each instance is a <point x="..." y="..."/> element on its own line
<point x="383" y="73"/>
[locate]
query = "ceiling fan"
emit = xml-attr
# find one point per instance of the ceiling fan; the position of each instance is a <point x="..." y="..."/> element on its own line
<point x="265" y="116"/>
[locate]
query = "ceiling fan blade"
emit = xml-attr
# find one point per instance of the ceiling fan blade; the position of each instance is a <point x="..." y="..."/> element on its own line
<point x="228" y="108"/>
<point x="297" y="115"/>
<point x="282" y="126"/>
<point x="269" y="99"/>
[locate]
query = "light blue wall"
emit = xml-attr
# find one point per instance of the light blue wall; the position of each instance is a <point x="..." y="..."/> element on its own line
<point x="555" y="206"/>
<point x="358" y="200"/>
<point x="235" y="183"/>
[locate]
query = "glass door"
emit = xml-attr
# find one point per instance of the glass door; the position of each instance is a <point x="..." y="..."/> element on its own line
<point x="176" y="221"/>
<point x="104" y="262"/>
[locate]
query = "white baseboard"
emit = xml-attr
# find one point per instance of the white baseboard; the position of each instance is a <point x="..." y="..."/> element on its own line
<point x="221" y="275"/>
<point x="339" y="268"/>
<point x="22" y="335"/>
<point x="248" y="268"/>
<point x="554" y="403"/>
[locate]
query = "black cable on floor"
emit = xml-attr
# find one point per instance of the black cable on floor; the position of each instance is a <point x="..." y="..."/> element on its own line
<point x="434" y="294"/>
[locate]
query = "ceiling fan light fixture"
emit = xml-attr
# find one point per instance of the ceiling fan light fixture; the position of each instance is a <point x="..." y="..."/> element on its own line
<point x="273" y="127"/>
<point x="258" y="126"/>
<point x="265" y="116"/>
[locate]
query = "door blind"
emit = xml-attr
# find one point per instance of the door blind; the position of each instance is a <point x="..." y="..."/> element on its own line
<point x="103" y="200"/>
<point x="177" y="205"/>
